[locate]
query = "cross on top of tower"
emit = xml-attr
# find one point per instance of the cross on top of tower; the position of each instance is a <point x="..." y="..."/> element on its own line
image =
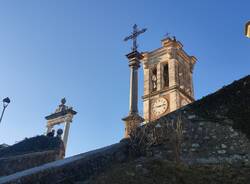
<point x="136" y="32"/>
<point x="167" y="35"/>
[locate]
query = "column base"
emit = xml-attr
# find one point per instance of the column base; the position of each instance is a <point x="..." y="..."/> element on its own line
<point x="132" y="121"/>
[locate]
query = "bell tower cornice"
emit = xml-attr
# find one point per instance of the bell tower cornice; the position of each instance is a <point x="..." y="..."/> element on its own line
<point x="171" y="48"/>
<point x="169" y="42"/>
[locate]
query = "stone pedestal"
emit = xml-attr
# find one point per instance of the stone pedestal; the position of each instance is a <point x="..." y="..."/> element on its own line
<point x="132" y="121"/>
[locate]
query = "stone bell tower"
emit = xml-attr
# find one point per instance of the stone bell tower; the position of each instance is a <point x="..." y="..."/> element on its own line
<point x="168" y="79"/>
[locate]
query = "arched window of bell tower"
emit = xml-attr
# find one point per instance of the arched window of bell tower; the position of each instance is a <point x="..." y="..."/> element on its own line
<point x="154" y="79"/>
<point x="165" y="76"/>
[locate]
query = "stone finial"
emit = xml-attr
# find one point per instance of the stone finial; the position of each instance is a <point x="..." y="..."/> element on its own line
<point x="59" y="133"/>
<point x="51" y="134"/>
<point x="62" y="106"/>
<point x="63" y="101"/>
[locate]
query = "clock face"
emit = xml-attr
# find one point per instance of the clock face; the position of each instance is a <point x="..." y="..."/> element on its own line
<point x="159" y="106"/>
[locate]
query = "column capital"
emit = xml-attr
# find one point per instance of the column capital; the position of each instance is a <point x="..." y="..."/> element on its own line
<point x="134" y="58"/>
<point x="133" y="117"/>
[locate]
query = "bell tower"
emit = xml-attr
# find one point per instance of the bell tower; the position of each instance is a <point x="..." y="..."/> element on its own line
<point x="168" y="79"/>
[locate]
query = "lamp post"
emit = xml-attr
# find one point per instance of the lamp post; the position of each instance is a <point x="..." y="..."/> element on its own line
<point x="247" y="29"/>
<point x="6" y="102"/>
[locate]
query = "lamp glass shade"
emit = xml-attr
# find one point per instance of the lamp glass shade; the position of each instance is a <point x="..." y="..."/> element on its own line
<point x="6" y="100"/>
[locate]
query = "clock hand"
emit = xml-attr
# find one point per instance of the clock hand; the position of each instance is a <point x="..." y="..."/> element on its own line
<point x="159" y="106"/>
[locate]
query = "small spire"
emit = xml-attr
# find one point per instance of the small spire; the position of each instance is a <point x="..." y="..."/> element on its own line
<point x="174" y="38"/>
<point x="167" y="35"/>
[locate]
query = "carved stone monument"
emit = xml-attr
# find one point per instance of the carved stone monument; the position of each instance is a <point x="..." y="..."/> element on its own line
<point x="63" y="114"/>
<point x="133" y="120"/>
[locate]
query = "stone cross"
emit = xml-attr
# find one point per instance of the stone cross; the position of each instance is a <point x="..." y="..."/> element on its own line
<point x="136" y="32"/>
<point x="133" y="120"/>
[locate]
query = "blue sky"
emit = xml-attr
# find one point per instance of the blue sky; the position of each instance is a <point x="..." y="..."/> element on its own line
<point x="51" y="49"/>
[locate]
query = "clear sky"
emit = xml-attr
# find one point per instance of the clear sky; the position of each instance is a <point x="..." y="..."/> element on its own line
<point x="51" y="49"/>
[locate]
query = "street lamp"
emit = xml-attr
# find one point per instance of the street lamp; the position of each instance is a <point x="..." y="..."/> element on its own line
<point x="247" y="29"/>
<point x="6" y="102"/>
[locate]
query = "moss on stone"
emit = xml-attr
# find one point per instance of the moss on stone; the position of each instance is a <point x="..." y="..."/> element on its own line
<point x="158" y="171"/>
<point x="230" y="102"/>
<point x="34" y="144"/>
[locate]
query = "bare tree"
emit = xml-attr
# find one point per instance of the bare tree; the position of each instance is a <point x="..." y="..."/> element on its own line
<point x="177" y="135"/>
<point x="156" y="133"/>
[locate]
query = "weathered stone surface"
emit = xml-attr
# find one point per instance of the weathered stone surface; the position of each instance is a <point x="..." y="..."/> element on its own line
<point x="14" y="164"/>
<point x="31" y="145"/>
<point x="79" y="167"/>
<point x="213" y="129"/>
<point x="30" y="153"/>
<point x="160" y="171"/>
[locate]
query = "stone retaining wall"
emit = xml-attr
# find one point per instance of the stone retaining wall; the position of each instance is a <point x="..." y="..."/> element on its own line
<point x="214" y="129"/>
<point x="29" y="153"/>
<point x="79" y="167"/>
<point x="192" y="140"/>
<point x="14" y="164"/>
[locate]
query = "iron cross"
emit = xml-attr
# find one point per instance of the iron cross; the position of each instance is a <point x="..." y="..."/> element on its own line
<point x="136" y="32"/>
<point x="167" y="35"/>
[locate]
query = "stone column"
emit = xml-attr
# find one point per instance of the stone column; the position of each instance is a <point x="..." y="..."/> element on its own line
<point x="66" y="133"/>
<point x="134" y="63"/>
<point x="133" y="97"/>
<point x="133" y="120"/>
<point x="172" y="72"/>
<point x="49" y="128"/>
